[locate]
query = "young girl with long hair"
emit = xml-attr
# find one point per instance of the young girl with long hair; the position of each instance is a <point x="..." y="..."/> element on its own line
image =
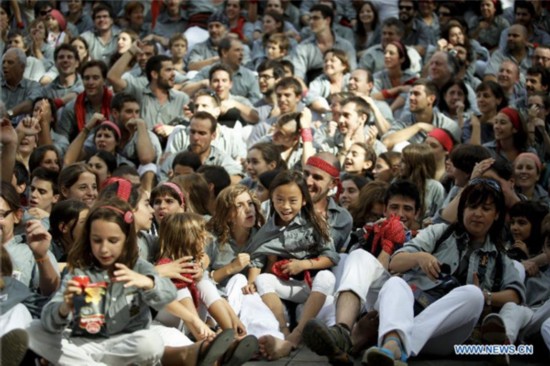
<point x="79" y="182"/>
<point x="294" y="241"/>
<point x="196" y="291"/>
<point x="107" y="252"/>
<point x="262" y="157"/>
<point x="418" y="166"/>
<point x="66" y="222"/>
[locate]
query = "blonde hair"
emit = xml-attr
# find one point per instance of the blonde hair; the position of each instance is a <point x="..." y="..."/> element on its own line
<point x="220" y="223"/>
<point x="183" y="234"/>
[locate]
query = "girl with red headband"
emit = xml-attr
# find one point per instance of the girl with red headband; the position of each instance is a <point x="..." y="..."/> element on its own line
<point x="441" y="142"/>
<point x="296" y="248"/>
<point x="510" y="135"/>
<point x="107" y="136"/>
<point x="527" y="171"/>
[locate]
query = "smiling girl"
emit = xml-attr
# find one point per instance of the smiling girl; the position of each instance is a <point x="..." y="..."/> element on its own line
<point x="299" y="236"/>
<point x="262" y="157"/>
<point x="79" y="182"/>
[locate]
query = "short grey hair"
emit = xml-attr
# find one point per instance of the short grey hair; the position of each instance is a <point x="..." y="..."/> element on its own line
<point x="20" y="55"/>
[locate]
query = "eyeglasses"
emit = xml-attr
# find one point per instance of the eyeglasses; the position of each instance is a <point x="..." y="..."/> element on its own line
<point x="488" y="182"/>
<point x="266" y="77"/>
<point x="4" y="214"/>
<point x="535" y="105"/>
<point x="407" y="8"/>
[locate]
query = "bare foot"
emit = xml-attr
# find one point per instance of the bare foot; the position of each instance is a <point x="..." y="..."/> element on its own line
<point x="274" y="348"/>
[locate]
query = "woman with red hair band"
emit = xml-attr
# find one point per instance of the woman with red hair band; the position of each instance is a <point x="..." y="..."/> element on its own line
<point x="441" y="141"/>
<point x="510" y="135"/>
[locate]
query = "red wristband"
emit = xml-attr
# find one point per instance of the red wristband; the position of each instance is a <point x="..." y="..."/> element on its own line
<point x="386" y="94"/>
<point x="307" y="135"/>
<point x="20" y="25"/>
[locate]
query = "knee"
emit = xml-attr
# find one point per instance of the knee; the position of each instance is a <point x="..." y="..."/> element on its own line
<point x="362" y="258"/>
<point x="394" y="284"/>
<point x="324" y="282"/>
<point x="265" y="283"/>
<point x="208" y="292"/>
<point x="237" y="281"/>
<point x="149" y="347"/>
<point x="473" y="297"/>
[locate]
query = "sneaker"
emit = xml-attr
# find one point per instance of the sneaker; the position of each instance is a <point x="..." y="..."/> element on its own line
<point x="333" y="342"/>
<point x="17" y="342"/>
<point x="493" y="331"/>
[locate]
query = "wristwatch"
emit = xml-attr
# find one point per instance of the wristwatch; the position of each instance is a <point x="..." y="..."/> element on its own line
<point x="488" y="297"/>
<point x="10" y="113"/>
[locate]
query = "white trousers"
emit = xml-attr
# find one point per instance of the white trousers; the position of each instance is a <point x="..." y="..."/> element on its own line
<point x="545" y="331"/>
<point x="521" y="321"/>
<point x="208" y="295"/>
<point x="293" y="290"/>
<point x="17" y="317"/>
<point x="448" y="321"/>
<point x="253" y="312"/>
<point x="363" y="275"/>
<point x="144" y="347"/>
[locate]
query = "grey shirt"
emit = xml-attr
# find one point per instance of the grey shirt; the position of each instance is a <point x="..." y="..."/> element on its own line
<point x="56" y="90"/>
<point x="308" y="56"/>
<point x="25" y="268"/>
<point x="126" y="309"/>
<point x="245" y="83"/>
<point x="26" y="90"/>
<point x="340" y="223"/>
<point x="448" y="253"/>
<point x="373" y="59"/>
<point x="438" y="120"/>
<point x="151" y="110"/>
<point x="99" y="50"/>
<point x="297" y="240"/>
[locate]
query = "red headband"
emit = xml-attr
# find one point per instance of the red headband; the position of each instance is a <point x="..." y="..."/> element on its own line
<point x="443" y="138"/>
<point x="317" y="162"/>
<point x="113" y="126"/>
<point x="513" y="115"/>
<point x="531" y="156"/>
<point x="128" y="216"/>
<point x="399" y="46"/>
<point x="124" y="187"/>
<point x="176" y="188"/>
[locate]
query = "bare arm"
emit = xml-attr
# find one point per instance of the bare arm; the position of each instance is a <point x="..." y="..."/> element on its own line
<point x="197" y="65"/>
<point x="8" y="139"/>
<point x="117" y="70"/>
<point x="405" y="134"/>
<point x="145" y="150"/>
<point x="75" y="151"/>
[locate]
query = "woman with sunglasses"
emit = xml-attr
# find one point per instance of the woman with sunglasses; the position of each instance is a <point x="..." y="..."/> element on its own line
<point x="449" y="273"/>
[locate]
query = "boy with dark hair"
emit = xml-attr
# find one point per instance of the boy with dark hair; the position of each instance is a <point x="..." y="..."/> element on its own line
<point x="44" y="192"/>
<point x="363" y="275"/>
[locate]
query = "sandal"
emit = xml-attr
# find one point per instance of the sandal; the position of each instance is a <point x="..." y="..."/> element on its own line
<point x="220" y="344"/>
<point x="240" y="351"/>
<point x="380" y="356"/>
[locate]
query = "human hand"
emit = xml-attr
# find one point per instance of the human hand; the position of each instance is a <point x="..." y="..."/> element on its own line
<point x="44" y="112"/>
<point x="459" y="108"/>
<point x="429" y="265"/>
<point x="132" y="278"/>
<point x="163" y="130"/>
<point x="73" y="288"/>
<point x="481" y="167"/>
<point x="305" y="118"/>
<point x="240" y="262"/>
<point x="134" y="124"/>
<point x="521" y="246"/>
<point x="531" y="268"/>
<point x="38" y="238"/>
<point x="96" y="119"/>
<point x="293" y="267"/>
<point x="38" y="213"/>
<point x="29" y="126"/>
<point x="8" y="135"/>
<point x="249" y="289"/>
<point x="175" y="269"/>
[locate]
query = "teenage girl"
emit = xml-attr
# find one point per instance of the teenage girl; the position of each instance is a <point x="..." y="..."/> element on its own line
<point x="294" y="232"/>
